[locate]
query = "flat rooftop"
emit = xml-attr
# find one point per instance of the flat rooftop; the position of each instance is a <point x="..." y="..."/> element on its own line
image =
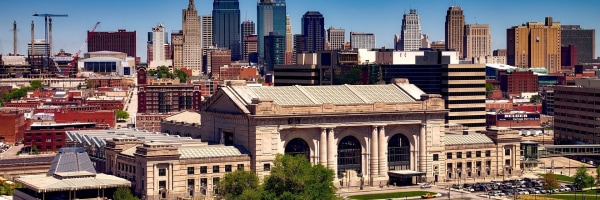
<point x="99" y="137"/>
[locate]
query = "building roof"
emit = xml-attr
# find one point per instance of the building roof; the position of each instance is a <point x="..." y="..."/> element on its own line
<point x="99" y="137"/>
<point x="467" y="139"/>
<point x="212" y="151"/>
<point x="102" y="59"/>
<point x="185" y="117"/>
<point x="105" y="52"/>
<point x="71" y="160"/>
<point x="43" y="183"/>
<point x="334" y="94"/>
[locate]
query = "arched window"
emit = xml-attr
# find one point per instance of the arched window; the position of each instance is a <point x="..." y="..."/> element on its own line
<point x="349" y="155"/>
<point x="298" y="147"/>
<point x="399" y="153"/>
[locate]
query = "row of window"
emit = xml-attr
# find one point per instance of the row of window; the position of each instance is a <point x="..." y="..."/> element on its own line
<point x="469" y="154"/>
<point x="126" y="168"/>
<point x="204" y="169"/>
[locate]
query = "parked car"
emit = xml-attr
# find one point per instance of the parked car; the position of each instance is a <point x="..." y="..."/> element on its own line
<point x="427" y="185"/>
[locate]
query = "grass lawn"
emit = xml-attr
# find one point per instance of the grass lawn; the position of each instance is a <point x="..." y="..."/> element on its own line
<point x="565" y="197"/>
<point x="390" y="195"/>
<point x="561" y="177"/>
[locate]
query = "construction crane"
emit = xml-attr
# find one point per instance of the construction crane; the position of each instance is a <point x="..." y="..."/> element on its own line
<point x="48" y="17"/>
<point x="76" y="56"/>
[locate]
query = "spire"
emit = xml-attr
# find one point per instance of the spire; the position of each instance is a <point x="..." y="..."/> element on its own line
<point x="191" y="5"/>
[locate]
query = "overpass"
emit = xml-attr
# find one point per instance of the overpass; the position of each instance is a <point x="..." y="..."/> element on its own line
<point x="569" y="150"/>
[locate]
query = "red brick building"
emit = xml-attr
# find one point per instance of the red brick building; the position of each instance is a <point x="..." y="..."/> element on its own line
<point x="23" y="104"/>
<point x="51" y="136"/>
<point x="516" y="82"/>
<point x="514" y="119"/>
<point x="13" y="123"/>
<point x="105" y="81"/>
<point x="109" y="103"/>
<point x="218" y="59"/>
<point x="102" y="118"/>
<point x="537" y="108"/>
<point x="238" y="73"/>
<point x="150" y="121"/>
<point x="120" y="41"/>
<point x="166" y="96"/>
<point x="498" y="105"/>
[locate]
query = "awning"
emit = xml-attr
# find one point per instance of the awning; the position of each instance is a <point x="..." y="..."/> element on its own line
<point x="405" y="173"/>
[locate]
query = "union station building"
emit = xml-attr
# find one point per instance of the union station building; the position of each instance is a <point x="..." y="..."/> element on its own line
<point x="374" y="134"/>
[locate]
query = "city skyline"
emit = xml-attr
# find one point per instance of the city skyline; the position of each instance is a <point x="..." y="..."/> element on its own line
<point x="356" y="16"/>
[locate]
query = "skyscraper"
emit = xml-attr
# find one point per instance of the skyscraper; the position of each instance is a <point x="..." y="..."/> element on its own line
<point x="119" y="41"/>
<point x="336" y="38"/>
<point x="313" y="29"/>
<point x="425" y="43"/>
<point x="192" y="41"/>
<point x="207" y="34"/>
<point x="177" y="49"/>
<point x="298" y="46"/>
<point x="477" y="41"/>
<point x="274" y="51"/>
<point x="364" y="40"/>
<point x="411" y="32"/>
<point x="226" y="26"/>
<point x="271" y="18"/>
<point x="455" y="23"/>
<point x="534" y="44"/>
<point x="289" y="41"/>
<point x="583" y="39"/>
<point x="247" y="29"/>
<point x="158" y="43"/>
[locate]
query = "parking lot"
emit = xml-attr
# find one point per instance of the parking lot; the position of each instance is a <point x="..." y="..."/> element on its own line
<point x="510" y="187"/>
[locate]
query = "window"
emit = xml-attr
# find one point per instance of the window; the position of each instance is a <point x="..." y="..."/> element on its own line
<point x="216" y="169"/>
<point x="478" y="154"/>
<point x="488" y="163"/>
<point x="190" y="170"/>
<point x="227" y="168"/>
<point x="267" y="167"/>
<point x="48" y="140"/>
<point x="215" y="183"/>
<point x="436" y="157"/>
<point x="203" y="181"/>
<point x="240" y="166"/>
<point x="448" y="155"/>
<point x="162" y="172"/>
<point x="458" y="154"/>
<point x="203" y="169"/>
<point x="507" y="162"/>
<point x="507" y="152"/>
<point x="488" y="153"/>
<point x="191" y="183"/>
<point x="468" y="154"/>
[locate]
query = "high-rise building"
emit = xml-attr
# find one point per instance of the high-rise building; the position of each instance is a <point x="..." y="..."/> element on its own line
<point x="438" y="45"/>
<point x="207" y="34"/>
<point x="583" y="39"/>
<point x="39" y="47"/>
<point x="159" y="40"/>
<point x="397" y="38"/>
<point x="226" y="26"/>
<point x="477" y="41"/>
<point x="499" y="52"/>
<point x="177" y="49"/>
<point x="362" y="40"/>
<point x="289" y="41"/>
<point x="218" y="59"/>
<point x="119" y="41"/>
<point x="298" y="47"/>
<point x="455" y="27"/>
<point x="425" y="43"/>
<point x="575" y="112"/>
<point x="534" y="45"/>
<point x="336" y="38"/>
<point x="313" y="29"/>
<point x="247" y="28"/>
<point x="274" y="51"/>
<point x="411" y="32"/>
<point x="192" y="41"/>
<point x="271" y="18"/>
<point x="250" y="48"/>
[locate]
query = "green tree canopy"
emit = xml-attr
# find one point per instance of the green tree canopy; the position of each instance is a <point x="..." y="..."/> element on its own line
<point x="122" y="114"/>
<point x="124" y="193"/>
<point x="549" y="181"/>
<point x="582" y="178"/>
<point x="598" y="175"/>
<point x="535" y="99"/>
<point x="239" y="185"/>
<point x="294" y="177"/>
<point x="36" y="84"/>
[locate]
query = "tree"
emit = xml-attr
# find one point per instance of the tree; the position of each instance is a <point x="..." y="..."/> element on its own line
<point x="124" y="193"/>
<point x="181" y="75"/>
<point x="240" y="184"/>
<point x="597" y="175"/>
<point x="294" y="177"/>
<point x="582" y="178"/>
<point x="36" y="84"/>
<point x="122" y="114"/>
<point x="550" y="182"/>
<point x="535" y="99"/>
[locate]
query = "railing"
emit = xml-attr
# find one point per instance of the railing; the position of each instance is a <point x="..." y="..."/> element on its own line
<point x="565" y="150"/>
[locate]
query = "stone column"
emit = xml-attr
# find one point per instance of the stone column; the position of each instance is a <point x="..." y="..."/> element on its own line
<point x="422" y="149"/>
<point x="374" y="169"/>
<point x="331" y="151"/>
<point x="383" y="165"/>
<point x="323" y="147"/>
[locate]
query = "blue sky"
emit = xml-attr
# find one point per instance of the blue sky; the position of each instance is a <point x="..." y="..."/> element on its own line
<point x="382" y="17"/>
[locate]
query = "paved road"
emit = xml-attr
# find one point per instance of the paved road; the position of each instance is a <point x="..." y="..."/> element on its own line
<point x="131" y="106"/>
